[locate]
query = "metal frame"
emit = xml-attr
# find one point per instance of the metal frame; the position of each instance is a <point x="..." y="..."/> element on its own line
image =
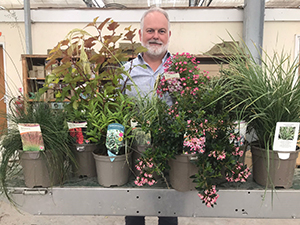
<point x="156" y="202"/>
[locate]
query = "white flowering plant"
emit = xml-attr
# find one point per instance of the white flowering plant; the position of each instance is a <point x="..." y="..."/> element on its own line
<point x="199" y="122"/>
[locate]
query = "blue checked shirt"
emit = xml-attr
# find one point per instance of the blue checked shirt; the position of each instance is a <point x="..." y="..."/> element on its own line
<point x="143" y="78"/>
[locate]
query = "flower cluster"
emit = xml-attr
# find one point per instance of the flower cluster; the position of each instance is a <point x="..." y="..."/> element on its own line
<point x="209" y="197"/>
<point x="77" y="133"/>
<point x="171" y="85"/>
<point x="185" y="79"/>
<point x="183" y="63"/>
<point x="238" y="140"/>
<point x="218" y="155"/>
<point x="240" y="173"/>
<point x="145" y="169"/>
<point x="194" y="145"/>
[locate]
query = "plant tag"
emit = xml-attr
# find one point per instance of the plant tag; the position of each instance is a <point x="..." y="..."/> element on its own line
<point x="285" y="139"/>
<point x="80" y="148"/>
<point x="140" y="137"/>
<point x="31" y="137"/>
<point x="114" y="139"/>
<point x="240" y="128"/>
<point x="169" y="75"/>
<point x="133" y="123"/>
<point x="78" y="132"/>
<point x="72" y="125"/>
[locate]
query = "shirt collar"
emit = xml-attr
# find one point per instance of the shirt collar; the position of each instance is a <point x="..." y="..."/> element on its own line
<point x="167" y="55"/>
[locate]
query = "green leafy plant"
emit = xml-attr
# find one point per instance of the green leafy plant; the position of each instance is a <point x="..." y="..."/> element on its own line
<point x="286" y="133"/>
<point x="199" y="123"/>
<point x="87" y="68"/>
<point x="105" y="109"/>
<point x="88" y="63"/>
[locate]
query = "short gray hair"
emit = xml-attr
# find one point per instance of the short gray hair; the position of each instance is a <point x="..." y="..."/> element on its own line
<point x="154" y="9"/>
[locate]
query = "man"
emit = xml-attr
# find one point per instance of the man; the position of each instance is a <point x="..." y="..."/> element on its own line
<point x="154" y="35"/>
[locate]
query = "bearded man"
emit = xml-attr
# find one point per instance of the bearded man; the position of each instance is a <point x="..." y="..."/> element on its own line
<point x="154" y="35"/>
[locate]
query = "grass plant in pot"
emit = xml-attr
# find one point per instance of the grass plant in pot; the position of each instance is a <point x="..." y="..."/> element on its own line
<point x="198" y="126"/>
<point x="40" y="168"/>
<point x="266" y="93"/>
<point x="90" y="67"/>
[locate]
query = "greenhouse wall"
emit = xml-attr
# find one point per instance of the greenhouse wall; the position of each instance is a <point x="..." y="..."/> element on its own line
<point x="194" y="30"/>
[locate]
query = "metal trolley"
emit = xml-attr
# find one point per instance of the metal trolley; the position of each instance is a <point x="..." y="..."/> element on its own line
<point x="247" y="200"/>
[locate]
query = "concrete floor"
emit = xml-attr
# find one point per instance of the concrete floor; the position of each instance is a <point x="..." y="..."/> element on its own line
<point x="10" y="216"/>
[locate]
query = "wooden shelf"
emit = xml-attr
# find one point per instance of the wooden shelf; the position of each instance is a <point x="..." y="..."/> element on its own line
<point x="32" y="84"/>
<point x="33" y="81"/>
<point x="35" y="78"/>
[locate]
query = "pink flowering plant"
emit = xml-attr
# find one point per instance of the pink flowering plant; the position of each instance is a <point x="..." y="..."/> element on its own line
<point x="199" y="122"/>
<point x="147" y="170"/>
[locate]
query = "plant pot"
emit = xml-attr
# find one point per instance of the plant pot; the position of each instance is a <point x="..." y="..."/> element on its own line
<point x="181" y="169"/>
<point x="36" y="170"/>
<point x="281" y="171"/>
<point x="112" y="173"/>
<point x="86" y="166"/>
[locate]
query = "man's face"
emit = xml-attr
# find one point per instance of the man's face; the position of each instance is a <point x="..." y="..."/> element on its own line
<point x="155" y="34"/>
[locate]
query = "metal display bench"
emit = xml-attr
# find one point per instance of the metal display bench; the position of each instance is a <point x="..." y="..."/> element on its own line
<point x="85" y="197"/>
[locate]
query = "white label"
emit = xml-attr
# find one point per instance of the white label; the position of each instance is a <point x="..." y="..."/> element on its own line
<point x="77" y="125"/>
<point x="171" y="75"/>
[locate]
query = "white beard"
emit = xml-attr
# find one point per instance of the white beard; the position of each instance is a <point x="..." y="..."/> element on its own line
<point x="155" y="50"/>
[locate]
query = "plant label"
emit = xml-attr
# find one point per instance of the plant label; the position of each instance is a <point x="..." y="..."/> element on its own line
<point x="169" y="75"/>
<point x="285" y="139"/>
<point x="114" y="139"/>
<point x="31" y="137"/>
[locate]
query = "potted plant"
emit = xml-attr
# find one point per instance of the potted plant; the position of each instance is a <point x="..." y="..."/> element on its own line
<point x="88" y="67"/>
<point x="113" y="160"/>
<point x="44" y="168"/>
<point x="146" y="112"/>
<point x="266" y="93"/>
<point x="198" y="126"/>
<point x="81" y="144"/>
